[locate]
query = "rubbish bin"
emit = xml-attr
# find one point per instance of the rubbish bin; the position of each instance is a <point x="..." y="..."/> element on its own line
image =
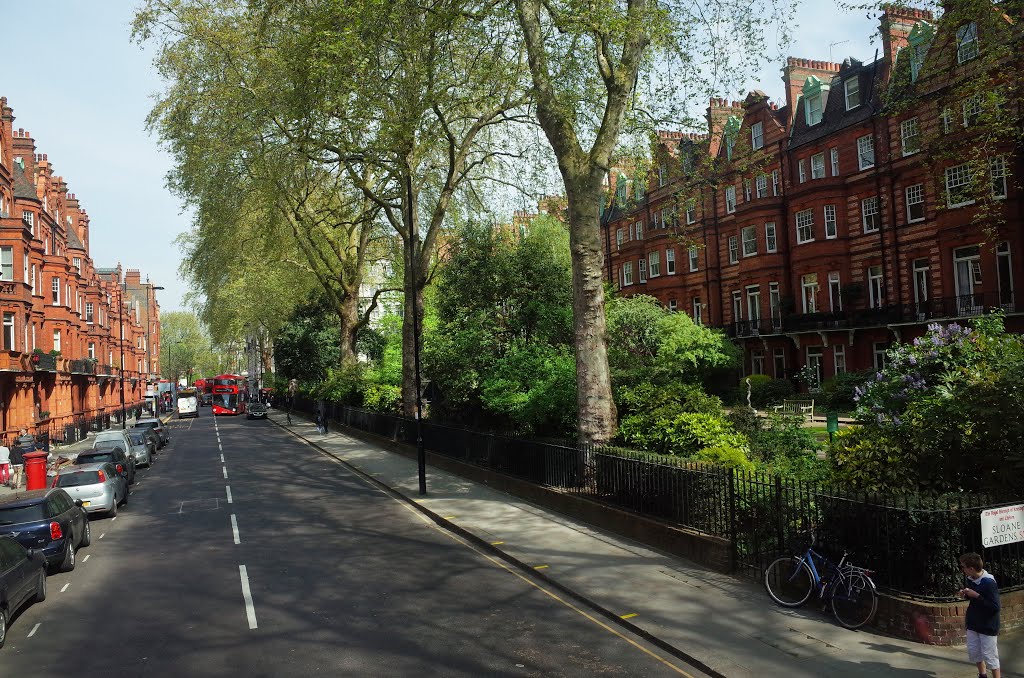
<point x="35" y="470"/>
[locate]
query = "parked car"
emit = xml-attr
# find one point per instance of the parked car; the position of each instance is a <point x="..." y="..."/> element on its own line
<point x="255" y="410"/>
<point x="157" y="426"/>
<point x="143" y="447"/>
<point x="48" y="520"/>
<point x="123" y="462"/>
<point x="22" y="580"/>
<point x="112" y="438"/>
<point x="99" y="487"/>
<point x="205" y="399"/>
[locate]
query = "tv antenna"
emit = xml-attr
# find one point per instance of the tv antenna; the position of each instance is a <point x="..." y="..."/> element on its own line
<point x="833" y="44"/>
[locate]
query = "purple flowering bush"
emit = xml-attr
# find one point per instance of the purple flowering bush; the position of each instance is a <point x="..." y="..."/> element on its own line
<point x="945" y="414"/>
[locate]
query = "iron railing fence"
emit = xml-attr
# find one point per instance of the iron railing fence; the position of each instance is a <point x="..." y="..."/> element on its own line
<point x="911" y="542"/>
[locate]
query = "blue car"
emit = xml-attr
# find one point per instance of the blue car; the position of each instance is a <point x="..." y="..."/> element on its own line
<point x="22" y="579"/>
<point x="49" y="521"/>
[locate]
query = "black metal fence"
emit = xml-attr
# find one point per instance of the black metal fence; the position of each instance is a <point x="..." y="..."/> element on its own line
<point x="911" y="542"/>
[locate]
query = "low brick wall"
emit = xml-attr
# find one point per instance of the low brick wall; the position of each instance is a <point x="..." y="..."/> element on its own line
<point x="940" y="623"/>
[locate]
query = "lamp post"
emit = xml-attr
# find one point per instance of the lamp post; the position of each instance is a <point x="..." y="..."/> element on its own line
<point x="151" y="290"/>
<point x="120" y="343"/>
<point x="169" y="374"/>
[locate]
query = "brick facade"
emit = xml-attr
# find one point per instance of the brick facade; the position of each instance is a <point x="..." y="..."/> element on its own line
<point x="63" y="319"/>
<point x="816" y="232"/>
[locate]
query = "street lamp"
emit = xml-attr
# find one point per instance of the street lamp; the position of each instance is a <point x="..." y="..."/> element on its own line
<point x="120" y="322"/>
<point x="150" y="292"/>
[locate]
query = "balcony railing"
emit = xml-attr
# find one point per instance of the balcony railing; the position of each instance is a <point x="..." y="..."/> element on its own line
<point x="944" y="308"/>
<point x="83" y="367"/>
<point x="44" y="362"/>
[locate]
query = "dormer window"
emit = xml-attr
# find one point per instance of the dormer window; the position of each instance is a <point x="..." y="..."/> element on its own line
<point x="732" y="129"/>
<point x="815" y="94"/>
<point x="851" y="88"/>
<point x="966" y="42"/>
<point x="920" y="39"/>
<point x="620" y="189"/>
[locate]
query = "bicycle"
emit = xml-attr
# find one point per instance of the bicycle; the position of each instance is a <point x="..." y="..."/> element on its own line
<point x="791" y="580"/>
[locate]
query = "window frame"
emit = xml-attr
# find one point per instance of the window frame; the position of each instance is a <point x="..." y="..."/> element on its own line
<point x="958" y="171"/>
<point x="865" y="145"/>
<point x="752" y="232"/>
<point x="734" y="249"/>
<point x="847" y="93"/>
<point x="654" y="264"/>
<point x="670" y="261"/>
<point x="730" y="199"/>
<point x="870" y="214"/>
<point x="694" y="258"/>
<point x="966" y="42"/>
<point x="916" y="190"/>
<point x="7" y="263"/>
<point x="826" y="212"/>
<point x="818" y="168"/>
<point x="914" y="125"/>
<point x="807" y="216"/>
<point x="757" y="136"/>
<point x="771" y="243"/>
<point x="834" y="161"/>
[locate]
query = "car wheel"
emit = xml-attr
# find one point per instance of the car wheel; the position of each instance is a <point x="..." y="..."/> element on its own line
<point x="124" y="502"/>
<point x="87" y="535"/>
<point x="3" y="626"/>
<point x="113" y="509"/>
<point x="68" y="563"/>
<point x="40" y="588"/>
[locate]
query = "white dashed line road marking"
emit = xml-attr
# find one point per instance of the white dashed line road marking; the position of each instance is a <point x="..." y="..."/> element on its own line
<point x="227" y="488"/>
<point x="103" y="535"/>
<point x="34" y="629"/>
<point x="234" y="529"/>
<point x="86" y="557"/>
<point x="250" y="609"/>
<point x="225" y="469"/>
<point x="222" y="458"/>
<point x="65" y="587"/>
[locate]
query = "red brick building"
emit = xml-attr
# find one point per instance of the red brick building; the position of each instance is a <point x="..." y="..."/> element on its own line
<point x="818" y="232"/>
<point x="65" y="323"/>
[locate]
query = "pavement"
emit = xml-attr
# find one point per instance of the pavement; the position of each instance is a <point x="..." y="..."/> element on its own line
<point x="71" y="451"/>
<point x="724" y="625"/>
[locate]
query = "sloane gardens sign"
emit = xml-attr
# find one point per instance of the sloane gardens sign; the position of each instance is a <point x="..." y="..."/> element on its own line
<point x="1002" y="525"/>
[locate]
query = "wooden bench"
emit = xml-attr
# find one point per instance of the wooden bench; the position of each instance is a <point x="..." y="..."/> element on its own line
<point x="803" y="408"/>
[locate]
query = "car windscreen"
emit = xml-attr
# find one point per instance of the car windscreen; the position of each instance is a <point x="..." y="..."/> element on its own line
<point x="79" y="478"/>
<point x="94" y="457"/>
<point x="147" y="424"/>
<point x="137" y="438"/>
<point x="23" y="514"/>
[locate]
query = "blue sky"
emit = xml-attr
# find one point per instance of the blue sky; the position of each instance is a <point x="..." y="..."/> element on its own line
<point x="83" y="89"/>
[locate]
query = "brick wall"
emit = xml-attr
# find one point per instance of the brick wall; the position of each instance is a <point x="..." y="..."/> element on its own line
<point x="940" y="623"/>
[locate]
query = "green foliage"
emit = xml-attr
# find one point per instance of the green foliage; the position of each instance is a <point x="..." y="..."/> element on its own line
<point x="534" y="386"/>
<point x="497" y="344"/>
<point x="946" y="414"/>
<point x="342" y="384"/>
<point x="839" y="390"/>
<point x="307" y="346"/>
<point x="382" y="397"/>
<point x="648" y="343"/>
<point x="766" y="391"/>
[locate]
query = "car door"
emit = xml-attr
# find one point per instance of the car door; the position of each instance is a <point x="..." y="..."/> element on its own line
<point x="17" y="569"/>
<point x="76" y="515"/>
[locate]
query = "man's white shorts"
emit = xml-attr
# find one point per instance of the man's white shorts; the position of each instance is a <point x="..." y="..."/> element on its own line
<point x="982" y="648"/>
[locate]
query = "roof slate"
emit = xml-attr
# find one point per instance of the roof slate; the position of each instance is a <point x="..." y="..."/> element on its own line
<point x="835" y="117"/>
<point x="74" y="242"/>
<point x="23" y="188"/>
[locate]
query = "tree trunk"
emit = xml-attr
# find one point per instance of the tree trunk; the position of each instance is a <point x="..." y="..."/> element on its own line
<point x="413" y="307"/>
<point x="348" y="316"/>
<point x="594" y="403"/>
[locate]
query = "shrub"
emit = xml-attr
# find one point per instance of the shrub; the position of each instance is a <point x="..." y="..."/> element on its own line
<point x="766" y="391"/>
<point x="383" y="398"/>
<point x="646" y="411"/>
<point x="840" y="391"/>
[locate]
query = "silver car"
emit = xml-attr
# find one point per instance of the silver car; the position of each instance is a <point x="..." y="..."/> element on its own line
<point x="141" y="447"/>
<point x="100" y="487"/>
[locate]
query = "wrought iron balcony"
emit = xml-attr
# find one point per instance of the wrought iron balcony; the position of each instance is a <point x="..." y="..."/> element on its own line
<point x="944" y="308"/>
<point x="83" y="366"/>
<point x="44" y="362"/>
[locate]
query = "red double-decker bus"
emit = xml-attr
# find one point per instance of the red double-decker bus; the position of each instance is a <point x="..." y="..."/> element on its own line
<point x="229" y="394"/>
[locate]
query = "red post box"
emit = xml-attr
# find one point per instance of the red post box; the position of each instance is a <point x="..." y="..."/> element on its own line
<point x="35" y="470"/>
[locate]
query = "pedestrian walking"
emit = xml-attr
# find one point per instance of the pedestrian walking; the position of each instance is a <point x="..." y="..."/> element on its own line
<point x="5" y="464"/>
<point x="25" y="443"/>
<point x="982" y="616"/>
<point x="320" y="426"/>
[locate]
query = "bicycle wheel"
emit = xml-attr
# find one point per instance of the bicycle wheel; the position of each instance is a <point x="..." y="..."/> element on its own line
<point x="854" y="600"/>
<point x="789" y="581"/>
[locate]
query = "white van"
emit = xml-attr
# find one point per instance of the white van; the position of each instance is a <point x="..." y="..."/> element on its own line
<point x="188" y="403"/>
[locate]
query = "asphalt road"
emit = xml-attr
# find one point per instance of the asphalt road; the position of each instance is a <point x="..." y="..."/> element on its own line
<point x="244" y="552"/>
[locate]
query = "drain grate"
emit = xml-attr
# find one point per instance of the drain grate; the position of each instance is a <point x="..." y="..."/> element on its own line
<point x="193" y="505"/>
